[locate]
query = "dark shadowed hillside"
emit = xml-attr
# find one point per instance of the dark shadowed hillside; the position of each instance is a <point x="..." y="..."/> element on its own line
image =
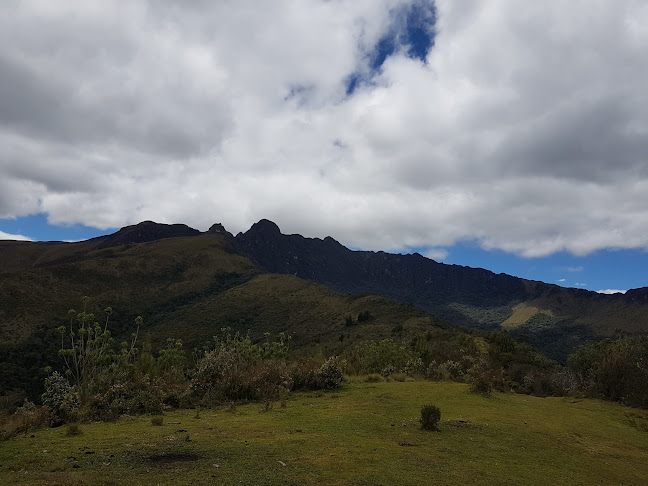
<point x="553" y="318"/>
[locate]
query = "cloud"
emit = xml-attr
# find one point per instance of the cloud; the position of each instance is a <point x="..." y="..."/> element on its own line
<point x="438" y="254"/>
<point x="562" y="280"/>
<point x="575" y="269"/>
<point x="9" y="236"/>
<point x="611" y="291"/>
<point x="580" y="284"/>
<point x="527" y="139"/>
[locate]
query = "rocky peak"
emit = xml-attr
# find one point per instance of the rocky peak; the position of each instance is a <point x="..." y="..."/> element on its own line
<point x="218" y="229"/>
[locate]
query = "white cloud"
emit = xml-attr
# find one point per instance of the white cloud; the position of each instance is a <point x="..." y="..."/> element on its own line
<point x="575" y="269"/>
<point x="528" y="139"/>
<point x="611" y="291"/>
<point x="438" y="254"/>
<point x="9" y="236"/>
<point x="562" y="280"/>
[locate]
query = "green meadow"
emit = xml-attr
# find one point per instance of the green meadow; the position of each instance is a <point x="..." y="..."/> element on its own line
<point x="363" y="434"/>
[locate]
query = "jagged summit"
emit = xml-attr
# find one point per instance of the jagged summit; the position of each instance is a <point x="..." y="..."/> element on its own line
<point x="218" y="229"/>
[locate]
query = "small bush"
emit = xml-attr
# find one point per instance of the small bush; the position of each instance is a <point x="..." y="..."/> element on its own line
<point x="73" y="429"/>
<point x="157" y="421"/>
<point x="329" y="376"/>
<point x="61" y="398"/>
<point x="303" y="373"/>
<point x="306" y="375"/>
<point x="430" y="417"/>
<point x="481" y="385"/>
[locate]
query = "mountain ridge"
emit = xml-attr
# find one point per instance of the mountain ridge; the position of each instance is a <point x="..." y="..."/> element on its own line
<point x="552" y="318"/>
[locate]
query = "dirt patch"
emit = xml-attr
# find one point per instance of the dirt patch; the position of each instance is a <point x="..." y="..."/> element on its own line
<point x="459" y="423"/>
<point x="173" y="458"/>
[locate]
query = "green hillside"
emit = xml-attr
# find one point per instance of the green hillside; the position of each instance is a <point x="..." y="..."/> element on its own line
<point x="149" y="279"/>
<point x="310" y="314"/>
<point x="185" y="288"/>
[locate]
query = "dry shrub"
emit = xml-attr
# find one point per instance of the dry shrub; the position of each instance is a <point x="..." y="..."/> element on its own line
<point x="26" y="418"/>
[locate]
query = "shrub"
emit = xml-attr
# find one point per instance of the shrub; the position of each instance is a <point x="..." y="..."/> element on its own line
<point x="329" y="376"/>
<point x="306" y="374"/>
<point x="73" y="429"/>
<point x="415" y="367"/>
<point x="122" y="394"/>
<point x="481" y="385"/>
<point x="157" y="421"/>
<point x="388" y="370"/>
<point x="61" y="398"/>
<point x="27" y="417"/>
<point x="450" y="370"/>
<point x="430" y="417"/>
<point x="237" y="369"/>
<point x="303" y="373"/>
<point x="484" y="376"/>
<point x="383" y="357"/>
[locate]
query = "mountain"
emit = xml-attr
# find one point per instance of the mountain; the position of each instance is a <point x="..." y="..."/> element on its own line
<point x="180" y="278"/>
<point x="184" y="287"/>
<point x="552" y="318"/>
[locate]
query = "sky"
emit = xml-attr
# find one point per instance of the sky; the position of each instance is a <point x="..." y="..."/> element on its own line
<point x="499" y="134"/>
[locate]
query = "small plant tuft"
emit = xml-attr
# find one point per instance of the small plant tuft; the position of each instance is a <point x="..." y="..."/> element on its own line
<point x="373" y="378"/>
<point x="430" y="417"/>
<point x="284" y="393"/>
<point x="157" y="421"/>
<point x="73" y="429"/>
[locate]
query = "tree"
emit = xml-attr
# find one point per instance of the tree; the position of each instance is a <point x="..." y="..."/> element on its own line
<point x="86" y="347"/>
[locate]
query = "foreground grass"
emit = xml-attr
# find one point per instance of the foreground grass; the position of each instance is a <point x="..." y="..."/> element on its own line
<point x="366" y="434"/>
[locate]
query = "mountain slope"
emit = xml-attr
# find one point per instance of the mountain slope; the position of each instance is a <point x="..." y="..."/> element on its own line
<point x="555" y="318"/>
<point x="156" y="270"/>
<point x="185" y="287"/>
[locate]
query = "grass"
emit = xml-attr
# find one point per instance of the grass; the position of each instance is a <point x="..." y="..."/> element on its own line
<point x="368" y="433"/>
<point x="521" y="315"/>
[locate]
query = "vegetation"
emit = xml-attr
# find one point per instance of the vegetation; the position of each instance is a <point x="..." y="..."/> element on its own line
<point x="430" y="417"/>
<point x="365" y="433"/>
<point x="614" y="370"/>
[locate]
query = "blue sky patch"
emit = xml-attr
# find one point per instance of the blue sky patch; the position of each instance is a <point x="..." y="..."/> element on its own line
<point x="411" y="29"/>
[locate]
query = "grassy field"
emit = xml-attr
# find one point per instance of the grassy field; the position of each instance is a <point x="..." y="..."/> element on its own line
<point x="365" y="434"/>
